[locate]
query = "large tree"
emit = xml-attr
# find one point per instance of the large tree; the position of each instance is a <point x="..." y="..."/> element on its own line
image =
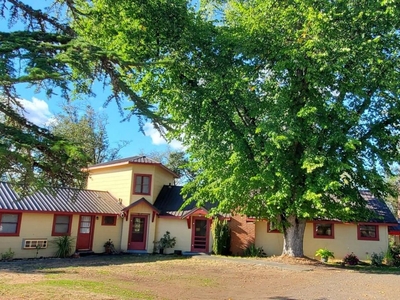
<point x="287" y="108"/>
<point x="42" y="50"/>
<point x="87" y="129"/>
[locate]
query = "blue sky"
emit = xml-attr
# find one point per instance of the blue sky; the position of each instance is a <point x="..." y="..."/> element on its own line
<point x="40" y="109"/>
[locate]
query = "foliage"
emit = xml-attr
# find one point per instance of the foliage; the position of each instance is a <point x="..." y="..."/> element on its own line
<point x="253" y="251"/>
<point x="48" y="55"/>
<point x="176" y="161"/>
<point x="166" y="241"/>
<point x="377" y="259"/>
<point x="289" y="97"/>
<point x="88" y="130"/>
<point x="285" y="110"/>
<point x="8" y="255"/>
<point x="393" y="255"/>
<point x="109" y="243"/>
<point x="64" y="246"/>
<point x="221" y="237"/>
<point x="351" y="259"/>
<point x="31" y="154"/>
<point x="324" y="253"/>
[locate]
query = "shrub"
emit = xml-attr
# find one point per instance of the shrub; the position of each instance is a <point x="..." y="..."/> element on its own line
<point x="9" y="255"/>
<point x="377" y="259"/>
<point x="221" y="236"/>
<point x="64" y="246"/>
<point x="393" y="255"/>
<point x="253" y="251"/>
<point x="351" y="259"/>
<point x="166" y="241"/>
<point x="324" y="253"/>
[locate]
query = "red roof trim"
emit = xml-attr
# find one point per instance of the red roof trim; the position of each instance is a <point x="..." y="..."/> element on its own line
<point x="131" y="162"/>
<point x="141" y="200"/>
<point x="199" y="210"/>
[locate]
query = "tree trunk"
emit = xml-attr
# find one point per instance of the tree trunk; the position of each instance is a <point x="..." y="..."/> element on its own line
<point x="293" y="237"/>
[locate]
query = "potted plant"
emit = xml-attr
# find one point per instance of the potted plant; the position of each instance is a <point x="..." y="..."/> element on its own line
<point x="325" y="254"/>
<point x="166" y="242"/>
<point x="108" y="246"/>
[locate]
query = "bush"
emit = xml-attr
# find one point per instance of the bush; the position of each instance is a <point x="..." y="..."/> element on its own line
<point x="167" y="241"/>
<point x="324" y="253"/>
<point x="393" y="255"/>
<point x="377" y="259"/>
<point x="64" y="246"/>
<point x="9" y="255"/>
<point x="222" y="237"/>
<point x="253" y="251"/>
<point x="351" y="259"/>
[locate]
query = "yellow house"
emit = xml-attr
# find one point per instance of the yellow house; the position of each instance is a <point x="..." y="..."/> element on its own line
<point x="134" y="202"/>
<point x="146" y="188"/>
<point x="28" y="226"/>
<point x="360" y="238"/>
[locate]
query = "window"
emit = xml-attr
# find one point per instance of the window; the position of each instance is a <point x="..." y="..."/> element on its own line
<point x="271" y="227"/>
<point x="9" y="224"/>
<point x="142" y="184"/>
<point x="368" y="232"/>
<point x="61" y="225"/>
<point x="109" y="220"/>
<point x="324" y="231"/>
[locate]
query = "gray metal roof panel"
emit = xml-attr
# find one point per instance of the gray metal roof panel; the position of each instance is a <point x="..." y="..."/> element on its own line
<point x="60" y="200"/>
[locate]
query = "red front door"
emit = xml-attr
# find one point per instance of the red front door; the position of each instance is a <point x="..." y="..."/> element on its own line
<point x="85" y="233"/>
<point x="138" y="232"/>
<point x="200" y="234"/>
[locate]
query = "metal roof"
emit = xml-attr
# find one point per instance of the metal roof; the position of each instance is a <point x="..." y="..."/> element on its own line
<point x="384" y="215"/>
<point x="170" y="200"/>
<point x="66" y="200"/>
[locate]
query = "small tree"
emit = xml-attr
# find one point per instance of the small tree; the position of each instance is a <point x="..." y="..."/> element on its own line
<point x="222" y="237"/>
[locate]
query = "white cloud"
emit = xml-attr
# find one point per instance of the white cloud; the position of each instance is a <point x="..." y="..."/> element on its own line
<point x="157" y="139"/>
<point x="37" y="111"/>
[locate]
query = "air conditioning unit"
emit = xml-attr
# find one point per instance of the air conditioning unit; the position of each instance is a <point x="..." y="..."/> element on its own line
<point x="35" y="244"/>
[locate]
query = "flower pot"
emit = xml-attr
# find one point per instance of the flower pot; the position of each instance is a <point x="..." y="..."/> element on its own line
<point x="161" y="250"/>
<point x="324" y="259"/>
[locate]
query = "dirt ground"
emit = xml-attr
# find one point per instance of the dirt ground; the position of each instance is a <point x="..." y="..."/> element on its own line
<point x="199" y="277"/>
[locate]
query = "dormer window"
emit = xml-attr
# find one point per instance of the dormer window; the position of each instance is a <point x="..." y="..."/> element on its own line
<point x="142" y="184"/>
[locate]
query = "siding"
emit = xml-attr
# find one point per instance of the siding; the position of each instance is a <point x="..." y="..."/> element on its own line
<point x="345" y="241"/>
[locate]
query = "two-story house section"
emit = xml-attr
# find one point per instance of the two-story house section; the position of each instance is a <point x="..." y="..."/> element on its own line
<point x="135" y="182"/>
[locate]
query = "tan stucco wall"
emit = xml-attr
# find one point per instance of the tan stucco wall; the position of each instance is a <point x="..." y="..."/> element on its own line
<point x="178" y="228"/>
<point x="39" y="226"/>
<point x="119" y="181"/>
<point x="35" y="226"/>
<point x="103" y="233"/>
<point x="345" y="241"/>
<point x="140" y="209"/>
<point x="116" y="180"/>
<point x="271" y="242"/>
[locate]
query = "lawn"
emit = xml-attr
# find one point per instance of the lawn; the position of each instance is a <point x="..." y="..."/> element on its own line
<point x="172" y="277"/>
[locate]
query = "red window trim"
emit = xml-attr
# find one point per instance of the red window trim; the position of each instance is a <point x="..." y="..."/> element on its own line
<point x="105" y="224"/>
<point x="316" y="236"/>
<point x="18" y="223"/>
<point x="134" y="184"/>
<point x="269" y="230"/>
<point x="54" y="225"/>
<point x="363" y="238"/>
